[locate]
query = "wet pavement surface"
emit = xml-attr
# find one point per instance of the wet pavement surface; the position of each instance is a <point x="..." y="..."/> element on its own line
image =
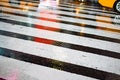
<point x="58" y="40"/>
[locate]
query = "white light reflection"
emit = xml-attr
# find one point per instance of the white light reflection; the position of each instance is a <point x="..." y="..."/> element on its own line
<point x="48" y="4"/>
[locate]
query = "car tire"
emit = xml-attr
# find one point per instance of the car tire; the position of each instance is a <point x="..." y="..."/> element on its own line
<point x="117" y="6"/>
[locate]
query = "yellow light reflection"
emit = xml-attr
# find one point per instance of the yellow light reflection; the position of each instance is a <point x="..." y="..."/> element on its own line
<point x="77" y="9"/>
<point x="58" y="2"/>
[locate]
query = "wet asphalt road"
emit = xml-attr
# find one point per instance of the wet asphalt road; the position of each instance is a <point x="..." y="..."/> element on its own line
<point x="58" y="40"/>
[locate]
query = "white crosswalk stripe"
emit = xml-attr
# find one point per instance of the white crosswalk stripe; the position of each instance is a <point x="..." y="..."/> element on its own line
<point x="81" y="21"/>
<point x="38" y="71"/>
<point x="102" y="17"/>
<point x="80" y="41"/>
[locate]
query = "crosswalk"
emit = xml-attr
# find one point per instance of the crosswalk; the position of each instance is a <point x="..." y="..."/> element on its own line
<point x="53" y="40"/>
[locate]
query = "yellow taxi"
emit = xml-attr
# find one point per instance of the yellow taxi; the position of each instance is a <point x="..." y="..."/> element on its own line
<point x="115" y="4"/>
